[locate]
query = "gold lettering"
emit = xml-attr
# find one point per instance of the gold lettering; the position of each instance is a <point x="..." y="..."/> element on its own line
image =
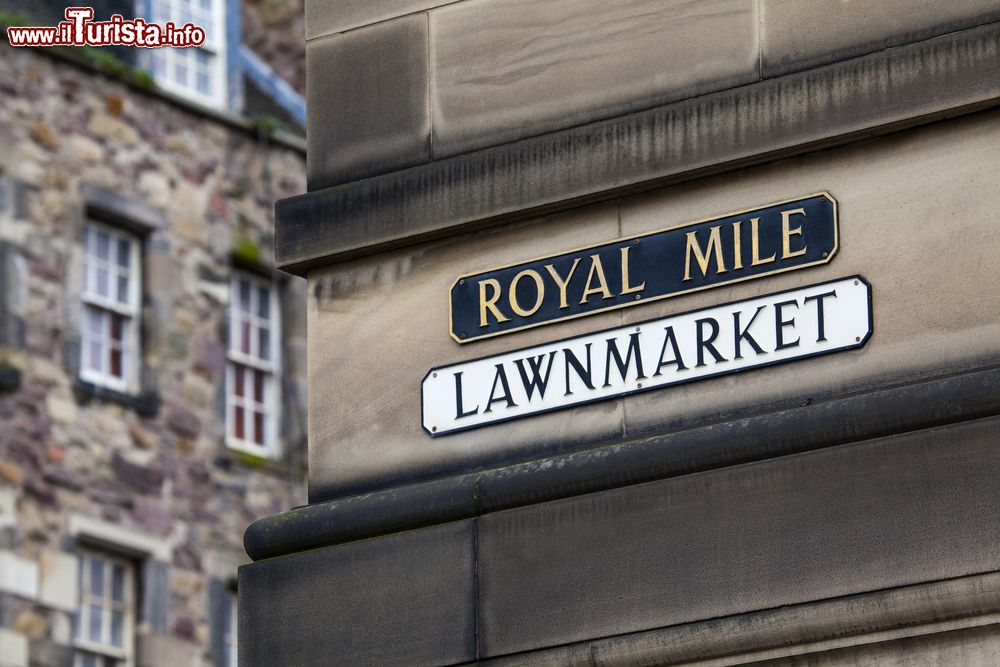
<point x="626" y="288"/>
<point x="562" y="284"/>
<point x="490" y="303"/>
<point x="596" y="268"/>
<point x="539" y="293"/>
<point x="737" y="247"/>
<point x="703" y="258"/>
<point x="755" y="259"/>
<point x="786" y="233"/>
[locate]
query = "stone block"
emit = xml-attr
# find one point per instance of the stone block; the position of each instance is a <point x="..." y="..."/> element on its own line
<point x="326" y="18"/>
<point x="8" y="499"/>
<point x="506" y="69"/>
<point x="379" y="324"/>
<point x="908" y="247"/>
<point x="58" y="572"/>
<point x="761" y="122"/>
<point x="47" y="653"/>
<point x="799" y="34"/>
<point x="13" y="649"/>
<point x="158" y="650"/>
<point x="890" y="512"/>
<point x="367" y="98"/>
<point x="408" y="598"/>
<point x="18" y="575"/>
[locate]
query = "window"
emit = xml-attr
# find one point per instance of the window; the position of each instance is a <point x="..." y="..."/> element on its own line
<point x="103" y="633"/>
<point x="111" y="288"/>
<point x="253" y="366"/>
<point x="196" y="71"/>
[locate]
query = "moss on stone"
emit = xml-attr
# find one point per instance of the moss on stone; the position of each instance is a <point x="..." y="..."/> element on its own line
<point x="245" y="251"/>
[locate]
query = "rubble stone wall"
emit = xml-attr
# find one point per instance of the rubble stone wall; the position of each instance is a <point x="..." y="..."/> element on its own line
<point x="151" y="465"/>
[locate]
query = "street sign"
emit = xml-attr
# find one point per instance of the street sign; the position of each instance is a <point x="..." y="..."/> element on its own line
<point x="694" y="256"/>
<point x="762" y="331"/>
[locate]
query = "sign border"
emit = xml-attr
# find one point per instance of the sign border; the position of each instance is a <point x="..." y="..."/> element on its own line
<point x="833" y="252"/>
<point x="856" y="346"/>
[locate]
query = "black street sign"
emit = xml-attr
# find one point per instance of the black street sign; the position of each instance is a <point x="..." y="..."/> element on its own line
<point x="693" y="256"/>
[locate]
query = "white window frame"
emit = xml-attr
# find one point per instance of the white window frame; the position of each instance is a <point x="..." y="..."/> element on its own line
<point x="130" y="311"/>
<point x="125" y="655"/>
<point x="215" y="45"/>
<point x="271" y="369"/>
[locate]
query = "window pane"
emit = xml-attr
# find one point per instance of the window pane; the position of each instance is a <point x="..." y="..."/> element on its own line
<point x="238" y="380"/>
<point x="103" y="245"/>
<point x="201" y="83"/>
<point x="264" y="339"/>
<point x="101" y="284"/>
<point x="122" y="289"/>
<point x="117" y="325"/>
<point x="117" y="623"/>
<point x="96" y="362"/>
<point x="95" y="321"/>
<point x="79" y="622"/>
<point x="258" y="428"/>
<point x="263" y="302"/>
<point x="116" y="363"/>
<point x="95" y="623"/>
<point x="258" y="386"/>
<point x="96" y="577"/>
<point x="123" y="253"/>
<point x="159" y="62"/>
<point x="88" y="660"/>
<point x="245" y="336"/>
<point x="118" y="583"/>
<point x="238" y="422"/>
<point x="244" y="296"/>
<point x="180" y="71"/>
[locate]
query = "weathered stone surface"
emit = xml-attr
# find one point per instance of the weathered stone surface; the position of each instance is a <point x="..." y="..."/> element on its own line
<point x="18" y="575"/>
<point x="819" y="525"/>
<point x="157" y="649"/>
<point x="802" y="633"/>
<point x="137" y="477"/>
<point x="45" y="653"/>
<point x="58" y="585"/>
<point x="13" y="648"/>
<point x="382" y="322"/>
<point x="183" y="422"/>
<point x="11" y="472"/>
<point x="798" y="34"/>
<point x="141" y="437"/>
<point x="506" y="69"/>
<point x="365" y="369"/>
<point x="323" y="18"/>
<point x="367" y="100"/>
<point x="416" y="587"/>
<point x="920" y="326"/>
<point x="719" y="132"/>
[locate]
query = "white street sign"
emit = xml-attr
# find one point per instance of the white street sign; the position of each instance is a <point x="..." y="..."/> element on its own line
<point x="729" y="338"/>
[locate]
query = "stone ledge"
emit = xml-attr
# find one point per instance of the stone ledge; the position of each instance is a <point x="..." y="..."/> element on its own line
<point x="918" y="405"/>
<point x="940" y="606"/>
<point x="875" y="94"/>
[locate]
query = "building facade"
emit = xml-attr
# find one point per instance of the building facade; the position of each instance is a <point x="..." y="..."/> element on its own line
<point x="152" y="360"/>
<point x="643" y="333"/>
